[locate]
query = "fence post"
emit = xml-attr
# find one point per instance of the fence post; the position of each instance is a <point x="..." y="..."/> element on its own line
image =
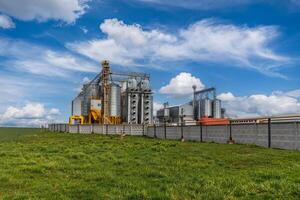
<point x="154" y="130"/>
<point x="269" y="132"/>
<point x="165" y="129"/>
<point x="230" y="131"/>
<point x="143" y="129"/>
<point x="181" y="130"/>
<point x="130" y="129"/>
<point x="201" y="137"/>
<point x="106" y="129"/>
<point x="297" y="132"/>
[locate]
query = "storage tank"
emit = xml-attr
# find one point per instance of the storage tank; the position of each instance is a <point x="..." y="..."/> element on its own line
<point x="132" y="84"/>
<point x="145" y="85"/>
<point x="115" y="100"/>
<point x="206" y="108"/>
<point x="198" y="109"/>
<point x="77" y="106"/>
<point x="90" y="91"/>
<point x="123" y="86"/>
<point x="217" y="108"/>
<point x="94" y="91"/>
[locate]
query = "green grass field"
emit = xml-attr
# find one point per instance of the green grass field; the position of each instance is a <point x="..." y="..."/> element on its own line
<point x="37" y="165"/>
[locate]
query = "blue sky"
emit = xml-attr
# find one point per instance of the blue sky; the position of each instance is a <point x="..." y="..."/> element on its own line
<point x="248" y="50"/>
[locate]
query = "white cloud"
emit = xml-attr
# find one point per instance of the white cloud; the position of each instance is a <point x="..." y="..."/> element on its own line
<point x="156" y="107"/>
<point x="207" y="40"/>
<point x="43" y="10"/>
<point x="278" y="103"/>
<point x="200" y="4"/>
<point x="293" y="93"/>
<point x="6" y="22"/>
<point x="181" y="85"/>
<point x="85" y="80"/>
<point x="226" y="96"/>
<point x="31" y="114"/>
<point x="213" y="4"/>
<point x="84" y="30"/>
<point x="40" y="60"/>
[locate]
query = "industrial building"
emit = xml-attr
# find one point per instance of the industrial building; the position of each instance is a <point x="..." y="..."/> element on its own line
<point x="114" y="98"/>
<point x="205" y="108"/>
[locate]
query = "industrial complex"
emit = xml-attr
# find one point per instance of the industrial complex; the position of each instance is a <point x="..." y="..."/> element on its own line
<point x="127" y="98"/>
<point x="114" y="98"/>
<point x="205" y="108"/>
<point x="118" y="98"/>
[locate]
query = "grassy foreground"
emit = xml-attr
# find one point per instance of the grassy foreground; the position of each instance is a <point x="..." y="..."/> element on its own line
<point x="36" y="165"/>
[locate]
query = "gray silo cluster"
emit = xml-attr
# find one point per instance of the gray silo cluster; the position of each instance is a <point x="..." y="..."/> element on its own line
<point x="206" y="104"/>
<point x="208" y="108"/>
<point x="137" y="101"/>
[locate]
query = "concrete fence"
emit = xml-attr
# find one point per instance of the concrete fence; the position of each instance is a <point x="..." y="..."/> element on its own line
<point x="99" y="129"/>
<point x="285" y="135"/>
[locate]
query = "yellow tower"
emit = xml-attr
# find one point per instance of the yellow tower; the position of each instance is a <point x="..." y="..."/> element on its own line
<point x="106" y="91"/>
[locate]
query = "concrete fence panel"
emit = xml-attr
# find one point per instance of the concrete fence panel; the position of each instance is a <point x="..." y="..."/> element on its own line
<point x="111" y="130"/>
<point x="85" y="129"/>
<point x="160" y="133"/>
<point x="127" y="129"/>
<point x="63" y="128"/>
<point x="216" y="134"/>
<point x="50" y="127"/>
<point x="284" y="135"/>
<point x="192" y="133"/>
<point x="74" y="128"/>
<point x="150" y="131"/>
<point x="245" y="133"/>
<point x="98" y="129"/>
<point x="118" y="129"/>
<point x="262" y="135"/>
<point x="55" y="127"/>
<point x="137" y="129"/>
<point x="173" y="132"/>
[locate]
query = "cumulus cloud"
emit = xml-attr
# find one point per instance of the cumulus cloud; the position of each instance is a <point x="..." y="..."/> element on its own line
<point x="156" y="107"/>
<point x="40" y="60"/>
<point x="6" y="22"/>
<point x="181" y="85"/>
<point x="278" y="103"/>
<point x="64" y="10"/>
<point x="207" y="40"/>
<point x="31" y="114"/>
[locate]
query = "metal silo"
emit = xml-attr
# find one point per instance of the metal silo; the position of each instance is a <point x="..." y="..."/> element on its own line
<point x="206" y="107"/>
<point x="85" y="100"/>
<point x="94" y="91"/>
<point x="217" y="108"/>
<point x="145" y="85"/>
<point x="132" y="84"/>
<point x="115" y="100"/>
<point x="198" y="109"/>
<point x="90" y="91"/>
<point x="77" y="106"/>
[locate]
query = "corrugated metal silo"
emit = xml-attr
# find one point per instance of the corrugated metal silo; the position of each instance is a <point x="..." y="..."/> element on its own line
<point x="115" y="100"/>
<point x="206" y="107"/>
<point x="217" y="108"/>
